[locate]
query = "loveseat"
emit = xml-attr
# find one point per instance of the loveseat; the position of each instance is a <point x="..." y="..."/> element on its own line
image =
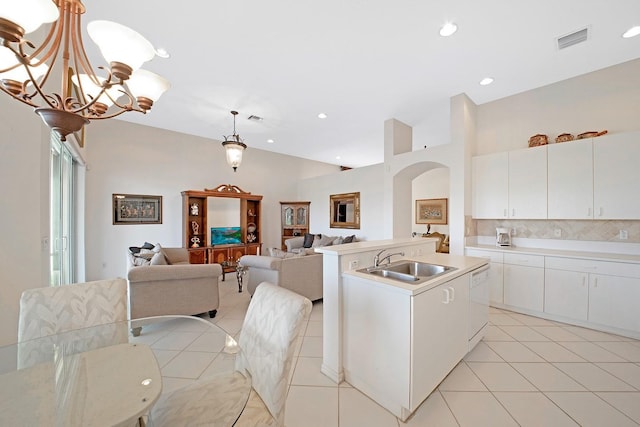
<point x="300" y="273"/>
<point x="168" y="284"/>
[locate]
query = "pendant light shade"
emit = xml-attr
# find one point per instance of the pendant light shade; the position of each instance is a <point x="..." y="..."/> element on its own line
<point x="234" y="146"/>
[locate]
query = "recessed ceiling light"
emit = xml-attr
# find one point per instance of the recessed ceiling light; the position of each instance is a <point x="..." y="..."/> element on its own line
<point x="322" y="116"/>
<point x="631" y="32"/>
<point x="448" y="29"/>
<point x="486" y="81"/>
<point x="162" y="52"/>
<point x="270" y="141"/>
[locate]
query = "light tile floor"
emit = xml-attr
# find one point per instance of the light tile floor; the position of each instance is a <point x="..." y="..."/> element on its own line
<point x="526" y="372"/>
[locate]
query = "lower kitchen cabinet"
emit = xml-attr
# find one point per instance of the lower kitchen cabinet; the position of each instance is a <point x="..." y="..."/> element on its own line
<point x="566" y="293"/>
<point x="524" y="281"/>
<point x="615" y="301"/>
<point x="444" y="345"/>
<point x="411" y="342"/>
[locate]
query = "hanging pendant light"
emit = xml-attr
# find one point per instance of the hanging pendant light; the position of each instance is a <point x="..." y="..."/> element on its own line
<point x="234" y="146"/>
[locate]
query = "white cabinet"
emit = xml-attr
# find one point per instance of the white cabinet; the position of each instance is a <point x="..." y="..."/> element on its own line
<point x="524" y="281"/>
<point x="528" y="183"/>
<point x="490" y="185"/>
<point x="603" y="293"/>
<point x="613" y="301"/>
<point x="566" y="293"/>
<point x="496" y="281"/>
<point x="397" y="347"/>
<point x="616" y="176"/>
<point x="510" y="184"/>
<point x="440" y="336"/>
<point x="570" y="180"/>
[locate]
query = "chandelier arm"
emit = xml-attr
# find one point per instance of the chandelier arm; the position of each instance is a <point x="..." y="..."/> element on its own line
<point x="55" y="33"/>
<point x="19" y="98"/>
<point x="130" y="106"/>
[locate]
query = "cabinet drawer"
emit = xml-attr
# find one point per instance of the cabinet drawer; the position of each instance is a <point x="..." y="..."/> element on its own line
<point x="524" y="259"/>
<point x="590" y="266"/>
<point x="493" y="256"/>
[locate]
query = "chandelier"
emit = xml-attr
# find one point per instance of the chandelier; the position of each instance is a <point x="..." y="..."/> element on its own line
<point x="27" y="72"/>
<point x="234" y="146"/>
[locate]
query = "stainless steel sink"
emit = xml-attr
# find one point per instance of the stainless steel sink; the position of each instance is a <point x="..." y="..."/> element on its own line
<point x="412" y="272"/>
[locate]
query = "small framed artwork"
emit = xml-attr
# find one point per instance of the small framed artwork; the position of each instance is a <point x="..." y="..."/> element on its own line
<point x="431" y="211"/>
<point x="137" y="209"/>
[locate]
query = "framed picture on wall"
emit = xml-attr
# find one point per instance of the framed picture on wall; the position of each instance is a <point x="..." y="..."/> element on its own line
<point x="431" y="211"/>
<point x="137" y="209"/>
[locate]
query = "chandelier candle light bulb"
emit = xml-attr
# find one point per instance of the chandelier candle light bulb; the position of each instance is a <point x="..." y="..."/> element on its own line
<point x="25" y="69"/>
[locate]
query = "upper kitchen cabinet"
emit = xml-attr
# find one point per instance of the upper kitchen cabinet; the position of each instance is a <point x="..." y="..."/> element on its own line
<point x="528" y="183"/>
<point x="570" y="180"/>
<point x="490" y="186"/>
<point x="616" y="174"/>
<point x="510" y="184"/>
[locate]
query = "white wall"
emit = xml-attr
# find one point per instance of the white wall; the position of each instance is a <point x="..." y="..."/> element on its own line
<point x="24" y="210"/>
<point x="433" y="184"/>
<point x="367" y="180"/>
<point x="605" y="99"/>
<point x="129" y="158"/>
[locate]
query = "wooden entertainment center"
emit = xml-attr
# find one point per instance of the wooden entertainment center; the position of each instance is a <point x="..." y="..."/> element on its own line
<point x="195" y="227"/>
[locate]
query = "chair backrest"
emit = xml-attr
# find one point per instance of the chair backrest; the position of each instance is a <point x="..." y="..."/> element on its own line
<point x="267" y="341"/>
<point x="47" y="311"/>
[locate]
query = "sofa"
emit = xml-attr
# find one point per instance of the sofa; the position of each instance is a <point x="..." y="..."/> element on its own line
<point x="308" y="242"/>
<point x="169" y="285"/>
<point x="300" y="273"/>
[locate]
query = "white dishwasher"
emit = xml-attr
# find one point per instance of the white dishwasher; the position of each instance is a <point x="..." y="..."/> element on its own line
<point x="478" y="305"/>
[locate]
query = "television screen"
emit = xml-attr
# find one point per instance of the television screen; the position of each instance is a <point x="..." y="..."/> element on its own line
<point x="225" y="236"/>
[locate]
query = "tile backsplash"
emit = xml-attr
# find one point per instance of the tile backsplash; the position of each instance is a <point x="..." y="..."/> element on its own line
<point x="588" y="230"/>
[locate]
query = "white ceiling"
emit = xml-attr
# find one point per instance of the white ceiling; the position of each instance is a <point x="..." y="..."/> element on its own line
<point x="360" y="62"/>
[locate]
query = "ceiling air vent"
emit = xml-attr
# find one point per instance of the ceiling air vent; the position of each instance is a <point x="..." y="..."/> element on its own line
<point x="255" y="118"/>
<point x="573" y="38"/>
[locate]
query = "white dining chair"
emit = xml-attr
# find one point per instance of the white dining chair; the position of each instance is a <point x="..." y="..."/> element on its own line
<point x="49" y="311"/>
<point x="267" y="341"/>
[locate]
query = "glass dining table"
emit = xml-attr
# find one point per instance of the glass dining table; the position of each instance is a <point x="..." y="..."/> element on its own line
<point x="105" y="376"/>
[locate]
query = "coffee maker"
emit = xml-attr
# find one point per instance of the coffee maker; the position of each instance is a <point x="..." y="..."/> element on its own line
<point x="503" y="237"/>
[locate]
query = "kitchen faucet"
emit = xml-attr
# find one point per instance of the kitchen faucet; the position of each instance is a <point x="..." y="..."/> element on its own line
<point x="377" y="261"/>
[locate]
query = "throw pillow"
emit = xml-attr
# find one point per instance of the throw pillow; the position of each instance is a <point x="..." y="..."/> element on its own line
<point x="158" y="259"/>
<point x="321" y="240"/>
<point x="145" y="253"/>
<point x="308" y="240"/>
<point x="134" y="250"/>
<point x="349" y="239"/>
<point x="147" y="245"/>
<point x="338" y="240"/>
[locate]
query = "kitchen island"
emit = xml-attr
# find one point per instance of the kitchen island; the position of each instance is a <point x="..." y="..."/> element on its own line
<point x="400" y="339"/>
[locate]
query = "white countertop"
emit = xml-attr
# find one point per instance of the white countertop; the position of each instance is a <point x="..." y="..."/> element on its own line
<point x="463" y="264"/>
<point x="597" y="256"/>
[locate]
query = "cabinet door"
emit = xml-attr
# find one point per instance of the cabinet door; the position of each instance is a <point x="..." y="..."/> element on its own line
<point x="218" y="256"/>
<point x="490" y="185"/>
<point x="616" y="175"/>
<point x="570" y="180"/>
<point x="301" y="216"/>
<point x="566" y="293"/>
<point x="613" y="301"/>
<point x="528" y="183"/>
<point x="524" y="287"/>
<point x="440" y="335"/>
<point x="236" y="252"/>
